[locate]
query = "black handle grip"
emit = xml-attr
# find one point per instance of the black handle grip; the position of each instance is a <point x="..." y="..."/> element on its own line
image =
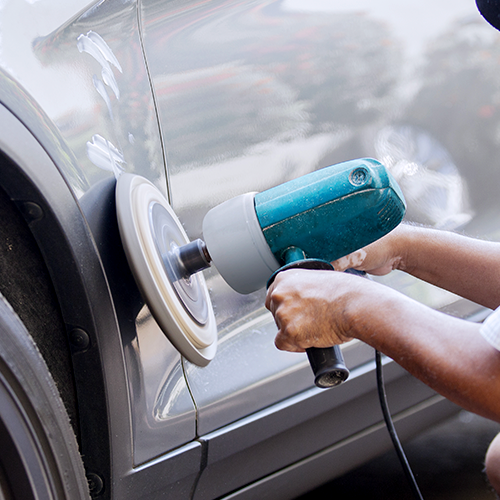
<point x="327" y="363"/>
<point x="328" y="366"/>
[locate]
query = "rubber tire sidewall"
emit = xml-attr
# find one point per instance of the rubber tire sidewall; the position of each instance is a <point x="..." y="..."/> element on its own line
<point x="33" y="417"/>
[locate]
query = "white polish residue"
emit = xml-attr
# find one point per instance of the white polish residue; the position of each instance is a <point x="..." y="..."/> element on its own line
<point x="101" y="152"/>
<point x="101" y="89"/>
<point x="104" y="155"/>
<point x="93" y="44"/>
<point x="353" y="260"/>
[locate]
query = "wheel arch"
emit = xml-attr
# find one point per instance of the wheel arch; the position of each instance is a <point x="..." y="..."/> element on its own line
<point x="33" y="156"/>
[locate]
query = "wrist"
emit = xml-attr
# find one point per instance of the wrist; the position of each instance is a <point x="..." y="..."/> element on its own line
<point x="360" y="310"/>
<point x="407" y="238"/>
<point x="381" y="331"/>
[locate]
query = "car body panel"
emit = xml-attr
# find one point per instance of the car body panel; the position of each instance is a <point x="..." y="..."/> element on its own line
<point x="299" y="426"/>
<point x="346" y="455"/>
<point x="90" y="82"/>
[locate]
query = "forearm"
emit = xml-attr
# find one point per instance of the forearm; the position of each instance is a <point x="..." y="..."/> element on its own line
<point x="321" y="309"/>
<point x="446" y="353"/>
<point x="465" y="266"/>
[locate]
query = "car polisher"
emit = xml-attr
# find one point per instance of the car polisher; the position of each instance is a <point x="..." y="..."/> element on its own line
<point x="304" y="223"/>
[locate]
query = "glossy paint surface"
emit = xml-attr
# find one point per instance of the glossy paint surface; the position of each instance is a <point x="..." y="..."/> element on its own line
<point x="252" y="94"/>
<point x="89" y="80"/>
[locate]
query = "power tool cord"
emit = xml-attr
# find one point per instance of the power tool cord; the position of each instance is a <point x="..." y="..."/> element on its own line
<point x="392" y="431"/>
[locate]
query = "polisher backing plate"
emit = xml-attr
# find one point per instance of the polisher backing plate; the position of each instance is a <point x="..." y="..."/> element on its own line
<point x="150" y="232"/>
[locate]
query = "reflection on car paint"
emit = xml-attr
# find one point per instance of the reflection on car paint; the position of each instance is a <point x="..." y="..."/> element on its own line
<point x="163" y="409"/>
<point x="171" y="393"/>
<point x="434" y="189"/>
<point x="248" y="100"/>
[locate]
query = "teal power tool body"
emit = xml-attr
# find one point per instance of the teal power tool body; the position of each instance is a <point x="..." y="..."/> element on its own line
<point x="304" y="223"/>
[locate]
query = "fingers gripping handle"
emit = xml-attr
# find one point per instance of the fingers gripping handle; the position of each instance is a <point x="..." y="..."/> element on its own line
<point x="327" y="363"/>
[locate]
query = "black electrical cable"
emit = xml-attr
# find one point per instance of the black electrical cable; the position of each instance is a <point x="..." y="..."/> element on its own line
<point x="387" y="414"/>
<point x="392" y="431"/>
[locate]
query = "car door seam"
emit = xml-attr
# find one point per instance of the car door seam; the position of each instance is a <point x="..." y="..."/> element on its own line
<point x="155" y="101"/>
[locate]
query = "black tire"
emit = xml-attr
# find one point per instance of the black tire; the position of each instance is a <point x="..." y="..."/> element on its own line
<point x="39" y="457"/>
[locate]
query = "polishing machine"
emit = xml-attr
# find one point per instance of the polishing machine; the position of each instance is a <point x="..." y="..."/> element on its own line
<point x="306" y="222"/>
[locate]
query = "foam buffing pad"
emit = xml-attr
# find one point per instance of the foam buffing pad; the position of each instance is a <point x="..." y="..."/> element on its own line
<point x="151" y="233"/>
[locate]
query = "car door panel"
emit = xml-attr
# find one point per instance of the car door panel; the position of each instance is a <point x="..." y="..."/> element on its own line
<point x="290" y="431"/>
<point x="249" y="374"/>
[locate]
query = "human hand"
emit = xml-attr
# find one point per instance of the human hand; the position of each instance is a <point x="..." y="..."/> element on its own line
<point x="380" y="257"/>
<point x="316" y="308"/>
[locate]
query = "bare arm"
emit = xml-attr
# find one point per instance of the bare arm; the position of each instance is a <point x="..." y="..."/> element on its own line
<point x="321" y="309"/>
<point x="465" y="266"/>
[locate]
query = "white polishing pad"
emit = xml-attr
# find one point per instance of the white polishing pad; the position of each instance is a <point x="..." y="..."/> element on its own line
<point x="150" y="232"/>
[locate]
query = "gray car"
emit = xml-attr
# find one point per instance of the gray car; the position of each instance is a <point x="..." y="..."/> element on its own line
<point x="209" y="99"/>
